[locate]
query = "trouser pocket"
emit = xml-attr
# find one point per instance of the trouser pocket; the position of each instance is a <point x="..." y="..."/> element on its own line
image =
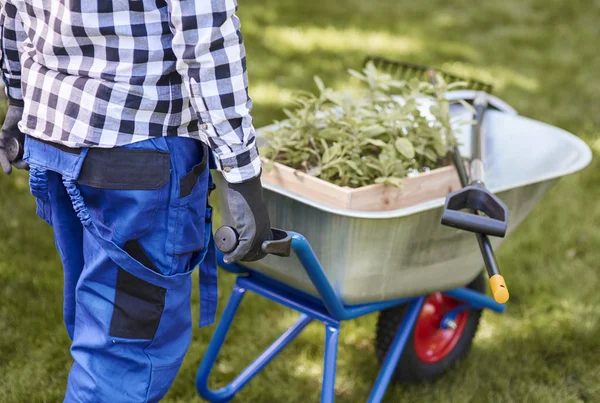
<point x="188" y="209"/>
<point x="138" y="307"/>
<point x="124" y="200"/>
<point x="38" y="185"/>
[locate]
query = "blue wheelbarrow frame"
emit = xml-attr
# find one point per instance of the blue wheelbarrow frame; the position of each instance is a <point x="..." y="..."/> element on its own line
<point x="329" y="309"/>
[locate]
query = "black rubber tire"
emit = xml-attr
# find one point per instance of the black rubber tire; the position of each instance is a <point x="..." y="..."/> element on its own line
<point x="410" y="368"/>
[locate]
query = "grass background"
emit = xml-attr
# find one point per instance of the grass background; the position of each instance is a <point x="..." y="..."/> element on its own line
<point x="543" y="58"/>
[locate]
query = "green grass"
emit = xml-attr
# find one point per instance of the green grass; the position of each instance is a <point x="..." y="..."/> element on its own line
<point x="543" y="58"/>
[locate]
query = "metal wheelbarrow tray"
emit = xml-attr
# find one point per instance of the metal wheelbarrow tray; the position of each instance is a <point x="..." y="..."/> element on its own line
<point x="379" y="256"/>
<point x="423" y="277"/>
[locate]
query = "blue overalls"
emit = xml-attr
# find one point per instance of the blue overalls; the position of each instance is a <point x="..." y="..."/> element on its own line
<point x="130" y="224"/>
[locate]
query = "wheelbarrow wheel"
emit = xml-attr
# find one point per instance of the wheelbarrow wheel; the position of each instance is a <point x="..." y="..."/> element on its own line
<point x="431" y="349"/>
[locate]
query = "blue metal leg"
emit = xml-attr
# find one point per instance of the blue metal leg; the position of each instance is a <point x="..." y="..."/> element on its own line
<point x="332" y="335"/>
<point x="215" y="346"/>
<point x="311" y="309"/>
<point x="393" y="356"/>
<point x="226" y="393"/>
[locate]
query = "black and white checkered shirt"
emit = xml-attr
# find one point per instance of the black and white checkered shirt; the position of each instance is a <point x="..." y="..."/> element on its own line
<point x="106" y="73"/>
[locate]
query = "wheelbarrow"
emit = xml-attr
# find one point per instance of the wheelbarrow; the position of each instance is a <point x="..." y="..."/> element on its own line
<point x="425" y="279"/>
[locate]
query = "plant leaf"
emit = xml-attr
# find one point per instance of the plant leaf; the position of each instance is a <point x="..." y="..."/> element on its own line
<point x="320" y="84"/>
<point x="430" y="155"/>
<point x="405" y="147"/>
<point x="357" y="75"/>
<point x="375" y="142"/>
<point x="439" y="146"/>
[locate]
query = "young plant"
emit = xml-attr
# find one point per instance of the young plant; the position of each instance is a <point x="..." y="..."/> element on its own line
<point x="379" y="133"/>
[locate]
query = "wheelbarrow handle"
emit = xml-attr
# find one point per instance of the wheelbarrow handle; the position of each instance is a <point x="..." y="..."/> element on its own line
<point x="280" y="244"/>
<point x="14" y="150"/>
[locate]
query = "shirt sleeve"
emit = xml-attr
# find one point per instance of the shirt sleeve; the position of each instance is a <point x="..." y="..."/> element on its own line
<point x="212" y="61"/>
<point x="10" y="39"/>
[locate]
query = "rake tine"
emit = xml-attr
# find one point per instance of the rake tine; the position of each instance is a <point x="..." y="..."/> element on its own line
<point x="405" y="71"/>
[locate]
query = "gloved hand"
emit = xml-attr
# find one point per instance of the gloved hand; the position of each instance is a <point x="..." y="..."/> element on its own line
<point x="250" y="220"/>
<point x="11" y="140"/>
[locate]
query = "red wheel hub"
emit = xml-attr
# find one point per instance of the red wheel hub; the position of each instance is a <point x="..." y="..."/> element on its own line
<point x="433" y="342"/>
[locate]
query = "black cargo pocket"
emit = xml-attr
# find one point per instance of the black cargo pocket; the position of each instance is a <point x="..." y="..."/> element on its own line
<point x="190" y="209"/>
<point x="125" y="169"/>
<point x="138" y="305"/>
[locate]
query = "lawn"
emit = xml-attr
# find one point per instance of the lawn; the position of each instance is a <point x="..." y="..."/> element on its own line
<point x="542" y="56"/>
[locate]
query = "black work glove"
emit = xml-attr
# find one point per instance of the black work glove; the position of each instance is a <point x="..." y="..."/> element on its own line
<point x="12" y="140"/>
<point x="250" y="220"/>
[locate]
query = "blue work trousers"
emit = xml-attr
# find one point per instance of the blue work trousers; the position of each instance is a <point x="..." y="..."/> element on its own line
<point x="130" y="225"/>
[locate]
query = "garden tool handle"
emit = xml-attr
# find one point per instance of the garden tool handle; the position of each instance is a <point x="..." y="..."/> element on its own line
<point x="497" y="283"/>
<point x="476" y="198"/>
<point x="478" y="139"/>
<point x="474" y="223"/>
<point x="227" y="239"/>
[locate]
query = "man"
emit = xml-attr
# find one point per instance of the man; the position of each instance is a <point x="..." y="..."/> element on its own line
<point x="121" y="105"/>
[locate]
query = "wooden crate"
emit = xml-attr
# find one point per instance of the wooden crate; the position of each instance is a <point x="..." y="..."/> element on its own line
<point x="417" y="189"/>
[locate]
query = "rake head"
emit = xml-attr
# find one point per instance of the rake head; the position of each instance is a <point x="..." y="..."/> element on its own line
<point x="405" y="71"/>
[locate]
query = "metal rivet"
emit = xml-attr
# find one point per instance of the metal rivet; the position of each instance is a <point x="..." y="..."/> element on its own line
<point x="204" y="126"/>
<point x="227" y="169"/>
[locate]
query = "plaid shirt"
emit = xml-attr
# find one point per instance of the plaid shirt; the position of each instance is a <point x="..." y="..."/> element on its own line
<point x="106" y="73"/>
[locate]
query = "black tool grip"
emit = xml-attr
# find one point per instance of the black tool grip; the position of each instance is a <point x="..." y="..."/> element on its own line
<point x="14" y="150"/>
<point x="476" y="199"/>
<point x="280" y="244"/>
<point x="474" y="223"/>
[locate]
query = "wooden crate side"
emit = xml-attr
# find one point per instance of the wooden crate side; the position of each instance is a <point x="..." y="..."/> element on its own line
<point x="307" y="186"/>
<point x="417" y="189"/>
